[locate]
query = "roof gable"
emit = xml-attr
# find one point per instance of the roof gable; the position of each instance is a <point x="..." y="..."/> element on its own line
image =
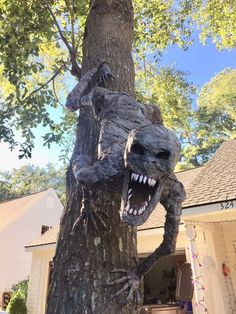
<point x="10" y="211"/>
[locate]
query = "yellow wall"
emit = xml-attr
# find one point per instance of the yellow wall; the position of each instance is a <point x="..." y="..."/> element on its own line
<point x="38" y="282"/>
<point x="149" y="240"/>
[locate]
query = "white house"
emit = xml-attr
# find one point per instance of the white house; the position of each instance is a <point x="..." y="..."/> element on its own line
<point x="207" y="239"/>
<point x="22" y="220"/>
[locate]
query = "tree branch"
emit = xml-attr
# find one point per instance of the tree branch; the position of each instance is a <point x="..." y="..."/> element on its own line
<point x="45" y="84"/>
<point x="75" y="67"/>
<point x="72" y="16"/>
<point x="55" y="93"/>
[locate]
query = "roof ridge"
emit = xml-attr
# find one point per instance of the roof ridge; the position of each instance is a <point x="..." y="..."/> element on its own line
<point x="22" y="196"/>
<point x="185" y="170"/>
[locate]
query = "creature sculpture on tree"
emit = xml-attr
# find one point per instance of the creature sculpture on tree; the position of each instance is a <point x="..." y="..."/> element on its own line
<point x="136" y="150"/>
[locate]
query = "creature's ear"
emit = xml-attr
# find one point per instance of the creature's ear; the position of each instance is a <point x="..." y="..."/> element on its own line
<point x="153" y="114"/>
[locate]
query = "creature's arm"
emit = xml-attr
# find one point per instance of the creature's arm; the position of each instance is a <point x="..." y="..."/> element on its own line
<point x="172" y="201"/>
<point x="82" y="93"/>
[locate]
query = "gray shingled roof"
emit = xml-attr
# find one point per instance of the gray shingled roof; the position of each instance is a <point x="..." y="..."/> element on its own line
<point x="217" y="180"/>
<point x="157" y="217"/>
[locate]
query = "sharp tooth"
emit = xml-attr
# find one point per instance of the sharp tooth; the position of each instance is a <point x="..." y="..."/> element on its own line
<point x="135" y="212"/>
<point x="149" y="197"/>
<point x="131" y="211"/>
<point x="153" y="182"/>
<point x="140" y="211"/>
<point x="150" y="181"/>
<point x="132" y="176"/>
<point x="144" y="179"/>
<point x="127" y="206"/>
<point x="140" y="178"/>
<point x="129" y="197"/>
<point x="129" y="191"/>
<point x="136" y="177"/>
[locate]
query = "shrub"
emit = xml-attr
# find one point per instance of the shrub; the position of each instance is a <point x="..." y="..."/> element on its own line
<point x="17" y="304"/>
<point x="22" y="287"/>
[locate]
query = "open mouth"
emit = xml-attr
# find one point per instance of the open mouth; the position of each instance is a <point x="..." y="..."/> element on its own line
<point x="140" y="192"/>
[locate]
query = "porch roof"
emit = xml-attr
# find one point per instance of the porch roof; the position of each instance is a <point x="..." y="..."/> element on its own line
<point x="49" y="237"/>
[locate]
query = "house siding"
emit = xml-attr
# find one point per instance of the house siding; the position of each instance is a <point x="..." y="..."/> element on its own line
<point x="211" y="253"/>
<point x="38" y="283"/>
<point x="15" y="263"/>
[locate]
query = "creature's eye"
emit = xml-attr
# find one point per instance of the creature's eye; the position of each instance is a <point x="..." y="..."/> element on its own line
<point x="137" y="149"/>
<point x="163" y="155"/>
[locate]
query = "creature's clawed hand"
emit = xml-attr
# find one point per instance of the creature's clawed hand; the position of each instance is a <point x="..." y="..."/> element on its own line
<point x="105" y="74"/>
<point x="130" y="281"/>
<point x="90" y="213"/>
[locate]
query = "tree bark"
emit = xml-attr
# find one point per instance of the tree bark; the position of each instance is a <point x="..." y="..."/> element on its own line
<point x="85" y="258"/>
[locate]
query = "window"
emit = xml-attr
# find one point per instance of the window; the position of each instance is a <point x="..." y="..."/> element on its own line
<point x="45" y="229"/>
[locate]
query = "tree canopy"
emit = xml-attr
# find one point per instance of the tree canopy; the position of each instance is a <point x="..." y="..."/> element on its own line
<point x="41" y="46"/>
<point x="30" y="179"/>
<point x="215" y="119"/>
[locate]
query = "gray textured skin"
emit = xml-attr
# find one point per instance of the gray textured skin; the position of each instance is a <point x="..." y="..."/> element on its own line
<point x="132" y="140"/>
<point x="151" y="151"/>
<point x="124" y="122"/>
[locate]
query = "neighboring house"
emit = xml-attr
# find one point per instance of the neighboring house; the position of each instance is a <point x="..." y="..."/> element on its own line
<point x="22" y="220"/>
<point x="207" y="239"/>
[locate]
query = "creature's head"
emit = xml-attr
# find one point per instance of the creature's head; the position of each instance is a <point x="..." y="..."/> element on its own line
<point x="151" y="153"/>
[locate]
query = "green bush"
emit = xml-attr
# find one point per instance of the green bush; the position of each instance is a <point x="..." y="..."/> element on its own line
<point x="17" y="304"/>
<point x="22" y="287"/>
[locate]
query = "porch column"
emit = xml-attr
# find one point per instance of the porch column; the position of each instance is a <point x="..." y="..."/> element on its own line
<point x="199" y="307"/>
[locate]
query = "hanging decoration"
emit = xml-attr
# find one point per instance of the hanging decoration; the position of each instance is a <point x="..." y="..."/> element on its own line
<point x="225" y="270"/>
<point x="197" y="281"/>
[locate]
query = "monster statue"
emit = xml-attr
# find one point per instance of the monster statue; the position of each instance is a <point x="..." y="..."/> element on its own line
<point x="135" y="149"/>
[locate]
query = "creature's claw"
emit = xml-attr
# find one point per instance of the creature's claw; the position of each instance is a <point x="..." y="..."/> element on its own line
<point x="105" y="74"/>
<point x="88" y="214"/>
<point x="130" y="281"/>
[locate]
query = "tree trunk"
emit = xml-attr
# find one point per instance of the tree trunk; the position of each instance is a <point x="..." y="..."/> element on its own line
<point x="84" y="259"/>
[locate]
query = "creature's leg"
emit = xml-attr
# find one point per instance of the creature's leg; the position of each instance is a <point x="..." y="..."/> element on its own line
<point x="102" y="170"/>
<point x="172" y="199"/>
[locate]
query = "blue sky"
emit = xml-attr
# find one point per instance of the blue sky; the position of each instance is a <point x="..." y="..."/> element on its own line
<point x="201" y="62"/>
